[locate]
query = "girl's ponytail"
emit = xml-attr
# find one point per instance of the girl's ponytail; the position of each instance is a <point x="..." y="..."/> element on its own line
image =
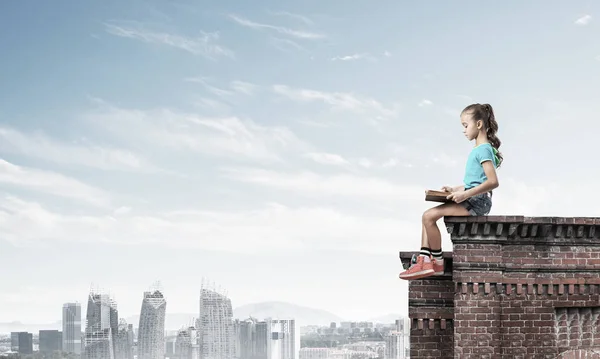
<point x="492" y="130"/>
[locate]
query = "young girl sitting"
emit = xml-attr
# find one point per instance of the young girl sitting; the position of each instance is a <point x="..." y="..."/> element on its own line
<point x="474" y="198"/>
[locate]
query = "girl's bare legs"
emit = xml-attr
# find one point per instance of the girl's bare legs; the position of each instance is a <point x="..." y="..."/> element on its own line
<point x="432" y="238"/>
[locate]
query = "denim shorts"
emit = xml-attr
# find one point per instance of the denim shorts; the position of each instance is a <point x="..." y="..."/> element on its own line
<point x="478" y="205"/>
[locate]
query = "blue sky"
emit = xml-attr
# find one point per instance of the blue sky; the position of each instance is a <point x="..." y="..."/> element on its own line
<point x="279" y="149"/>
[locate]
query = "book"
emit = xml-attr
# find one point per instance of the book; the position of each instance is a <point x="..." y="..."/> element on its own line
<point x="437" y="196"/>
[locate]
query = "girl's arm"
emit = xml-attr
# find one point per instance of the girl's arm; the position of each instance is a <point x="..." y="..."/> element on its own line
<point x="490" y="184"/>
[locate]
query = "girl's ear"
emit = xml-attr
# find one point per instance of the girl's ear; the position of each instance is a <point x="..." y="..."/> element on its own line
<point x="479" y="124"/>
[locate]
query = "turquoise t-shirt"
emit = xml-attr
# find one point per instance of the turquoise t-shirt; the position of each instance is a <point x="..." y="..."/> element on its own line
<point x="474" y="174"/>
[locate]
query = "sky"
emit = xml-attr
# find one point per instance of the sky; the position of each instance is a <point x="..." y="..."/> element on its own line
<point x="278" y="149"/>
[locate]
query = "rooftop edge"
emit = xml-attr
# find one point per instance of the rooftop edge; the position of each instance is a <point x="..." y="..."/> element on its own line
<point x="523" y="220"/>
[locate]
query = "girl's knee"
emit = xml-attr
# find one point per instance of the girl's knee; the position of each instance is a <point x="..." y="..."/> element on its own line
<point x="430" y="215"/>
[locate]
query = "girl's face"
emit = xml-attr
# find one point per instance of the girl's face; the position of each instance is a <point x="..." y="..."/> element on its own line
<point x="470" y="129"/>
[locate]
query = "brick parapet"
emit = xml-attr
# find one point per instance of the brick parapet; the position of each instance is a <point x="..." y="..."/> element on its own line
<point x="514" y="287"/>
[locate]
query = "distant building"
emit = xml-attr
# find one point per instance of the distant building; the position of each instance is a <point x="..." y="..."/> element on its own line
<point x="314" y="353"/>
<point x="14" y="341"/>
<point x="269" y="339"/>
<point x="215" y="325"/>
<point x="124" y="341"/>
<point x="101" y="327"/>
<point x="71" y="328"/>
<point x="151" y="330"/>
<point x="186" y="344"/>
<point x="50" y="341"/>
<point x="25" y="343"/>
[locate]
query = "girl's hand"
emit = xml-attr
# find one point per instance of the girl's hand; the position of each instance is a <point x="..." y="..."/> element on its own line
<point x="458" y="196"/>
<point x="447" y="189"/>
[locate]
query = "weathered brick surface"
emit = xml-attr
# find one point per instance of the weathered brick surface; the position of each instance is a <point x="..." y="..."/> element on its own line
<point x="431" y="312"/>
<point x="515" y="287"/>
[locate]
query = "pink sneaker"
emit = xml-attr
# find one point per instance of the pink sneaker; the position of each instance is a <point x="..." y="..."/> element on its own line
<point x="438" y="266"/>
<point x="420" y="269"/>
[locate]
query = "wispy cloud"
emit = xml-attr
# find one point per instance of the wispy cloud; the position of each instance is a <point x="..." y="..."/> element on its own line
<point x="425" y="102"/>
<point x="230" y="137"/>
<point x="236" y="86"/>
<point x="584" y="20"/>
<point x="337" y="100"/>
<point x="354" y="57"/>
<point x="271" y="227"/>
<point x="302" y="18"/>
<point x="50" y="183"/>
<point x="244" y="87"/>
<point x="286" y="45"/>
<point x="204" y="45"/>
<point x="326" y="158"/>
<point x="280" y="29"/>
<point x="38" y="145"/>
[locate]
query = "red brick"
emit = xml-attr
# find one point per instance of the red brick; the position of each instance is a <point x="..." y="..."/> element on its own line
<point x="510" y="313"/>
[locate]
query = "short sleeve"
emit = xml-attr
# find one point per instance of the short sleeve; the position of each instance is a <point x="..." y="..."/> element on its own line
<point x="485" y="153"/>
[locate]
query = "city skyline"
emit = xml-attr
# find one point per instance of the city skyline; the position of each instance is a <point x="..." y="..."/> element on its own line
<point x="281" y="149"/>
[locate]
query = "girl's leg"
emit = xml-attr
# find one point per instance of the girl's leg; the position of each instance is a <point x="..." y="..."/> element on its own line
<point x="432" y="239"/>
<point x="432" y="215"/>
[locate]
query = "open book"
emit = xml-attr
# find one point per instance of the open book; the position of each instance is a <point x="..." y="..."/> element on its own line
<point x="436" y="196"/>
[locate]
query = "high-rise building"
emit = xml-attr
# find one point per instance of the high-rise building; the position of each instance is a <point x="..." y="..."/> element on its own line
<point x="14" y="341"/>
<point x="25" y="343"/>
<point x="186" y="344"/>
<point x="215" y="325"/>
<point x="262" y="334"/>
<point x="284" y="339"/>
<point x="71" y="328"/>
<point x="50" y="341"/>
<point x="247" y="340"/>
<point x="151" y="331"/>
<point x="102" y="322"/>
<point x="124" y="341"/>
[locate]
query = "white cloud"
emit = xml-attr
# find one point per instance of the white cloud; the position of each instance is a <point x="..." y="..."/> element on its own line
<point x="337" y="100"/>
<point x="50" y="183"/>
<point x="302" y="18"/>
<point x="229" y="137"/>
<point x="236" y="86"/>
<point x="204" y="45"/>
<point x="38" y="145"/>
<point x="353" y="57"/>
<point x="286" y="45"/>
<point x="211" y="88"/>
<point x="244" y="87"/>
<point x="211" y="104"/>
<point x="392" y="162"/>
<point x="425" y="102"/>
<point x="327" y="158"/>
<point x="584" y="20"/>
<point x="365" y="162"/>
<point x="598" y="58"/>
<point x="318" y="184"/>
<point x="280" y="29"/>
<point x="387" y="54"/>
<point x="273" y="227"/>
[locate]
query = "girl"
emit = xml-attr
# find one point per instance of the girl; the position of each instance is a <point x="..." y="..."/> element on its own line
<point x="474" y="198"/>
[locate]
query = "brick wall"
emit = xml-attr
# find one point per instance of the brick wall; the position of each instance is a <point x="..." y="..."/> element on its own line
<point x="516" y="288"/>
<point x="431" y="313"/>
